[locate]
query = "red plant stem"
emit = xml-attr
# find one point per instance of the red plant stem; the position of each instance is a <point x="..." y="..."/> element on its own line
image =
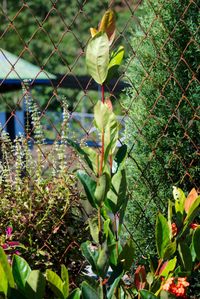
<point x="159" y="265"/>
<point x="102" y="135"/>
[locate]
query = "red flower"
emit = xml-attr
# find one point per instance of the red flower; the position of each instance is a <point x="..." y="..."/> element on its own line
<point x="174" y="229"/>
<point x="176" y="286"/>
<point x="194" y="225"/>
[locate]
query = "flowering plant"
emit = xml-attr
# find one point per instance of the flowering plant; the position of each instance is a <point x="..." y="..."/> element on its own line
<point x="10" y="246"/>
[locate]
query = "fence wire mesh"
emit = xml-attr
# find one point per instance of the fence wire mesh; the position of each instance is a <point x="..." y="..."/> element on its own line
<point x="58" y="101"/>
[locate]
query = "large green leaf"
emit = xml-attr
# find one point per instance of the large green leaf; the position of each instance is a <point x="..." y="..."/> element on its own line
<point x="75" y="294"/>
<point x="65" y="279"/>
<point x="113" y="287"/>
<point x="168" y="267"/>
<point x="35" y="285"/>
<point x="94" y="229"/>
<point x="3" y="281"/>
<point x="102" y="115"/>
<point x="55" y="283"/>
<point x="147" y="295"/>
<point x="196" y="242"/>
<point x="89" y="186"/>
<point x="102" y="187"/>
<point x="117" y="194"/>
<point x="80" y="151"/>
<point x="115" y="61"/>
<point x="120" y="158"/>
<point x="185" y="255"/>
<point x="91" y="256"/>
<point x="88" y="292"/>
<point x="97" y="57"/>
<point x="103" y="261"/>
<point x="179" y="197"/>
<point x="170" y="250"/>
<point x="21" y="271"/>
<point x="6" y="267"/>
<point x="162" y="235"/>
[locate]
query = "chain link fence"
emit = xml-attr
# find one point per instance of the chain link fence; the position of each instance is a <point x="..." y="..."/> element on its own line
<point x="155" y="95"/>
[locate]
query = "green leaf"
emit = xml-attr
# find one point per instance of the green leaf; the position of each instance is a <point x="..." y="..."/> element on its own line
<point x="147" y="295"/>
<point x="89" y="186"/>
<point x="120" y="158"/>
<point x="65" y="279"/>
<point x="192" y="213"/>
<point x="170" y="250"/>
<point x="102" y="115"/>
<point x="75" y="294"/>
<point x="3" y="281"/>
<point x="186" y="257"/>
<point x="170" y="216"/>
<point x="113" y="287"/>
<point x="196" y="242"/>
<point x="55" y="283"/>
<point x="90" y="256"/>
<point x="88" y="292"/>
<point x="179" y="197"/>
<point x="117" y="194"/>
<point x="21" y="271"/>
<point x="6" y="267"/>
<point x="127" y="255"/>
<point x="102" y="187"/>
<point x="93" y="156"/>
<point x="94" y="230"/>
<point x="115" y="61"/>
<point x="97" y="57"/>
<point x="103" y="261"/>
<point x="168" y="267"/>
<point x="162" y="235"/>
<point x="80" y="151"/>
<point x="35" y="285"/>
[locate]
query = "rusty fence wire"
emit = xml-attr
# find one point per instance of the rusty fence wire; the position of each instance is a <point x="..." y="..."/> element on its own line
<point x="47" y="96"/>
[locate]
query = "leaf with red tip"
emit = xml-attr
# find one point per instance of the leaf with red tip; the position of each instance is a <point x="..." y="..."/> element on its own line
<point x="190" y="199"/>
<point x="140" y="277"/>
<point x="107" y="25"/>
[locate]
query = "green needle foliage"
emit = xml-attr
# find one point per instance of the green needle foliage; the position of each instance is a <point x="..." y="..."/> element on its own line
<point x="162" y="132"/>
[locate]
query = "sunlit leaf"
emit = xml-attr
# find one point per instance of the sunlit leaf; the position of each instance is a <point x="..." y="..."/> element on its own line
<point x="97" y="57"/>
<point x="21" y="271"/>
<point x="6" y="267"/>
<point x="107" y="25"/>
<point x="55" y="283"/>
<point x="35" y="285"/>
<point x="162" y="235"/>
<point x="192" y="196"/>
<point x="89" y="186"/>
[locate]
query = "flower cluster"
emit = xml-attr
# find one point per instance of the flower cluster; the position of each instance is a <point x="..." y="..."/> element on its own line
<point x="176" y="286"/>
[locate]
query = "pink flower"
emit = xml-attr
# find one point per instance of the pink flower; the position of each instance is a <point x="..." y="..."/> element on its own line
<point x="9" y="232"/>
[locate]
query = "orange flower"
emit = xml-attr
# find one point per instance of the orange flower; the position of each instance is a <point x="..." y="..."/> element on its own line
<point x="176" y="286"/>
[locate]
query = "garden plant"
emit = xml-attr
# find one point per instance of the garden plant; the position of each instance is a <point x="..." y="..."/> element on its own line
<point x="109" y="254"/>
